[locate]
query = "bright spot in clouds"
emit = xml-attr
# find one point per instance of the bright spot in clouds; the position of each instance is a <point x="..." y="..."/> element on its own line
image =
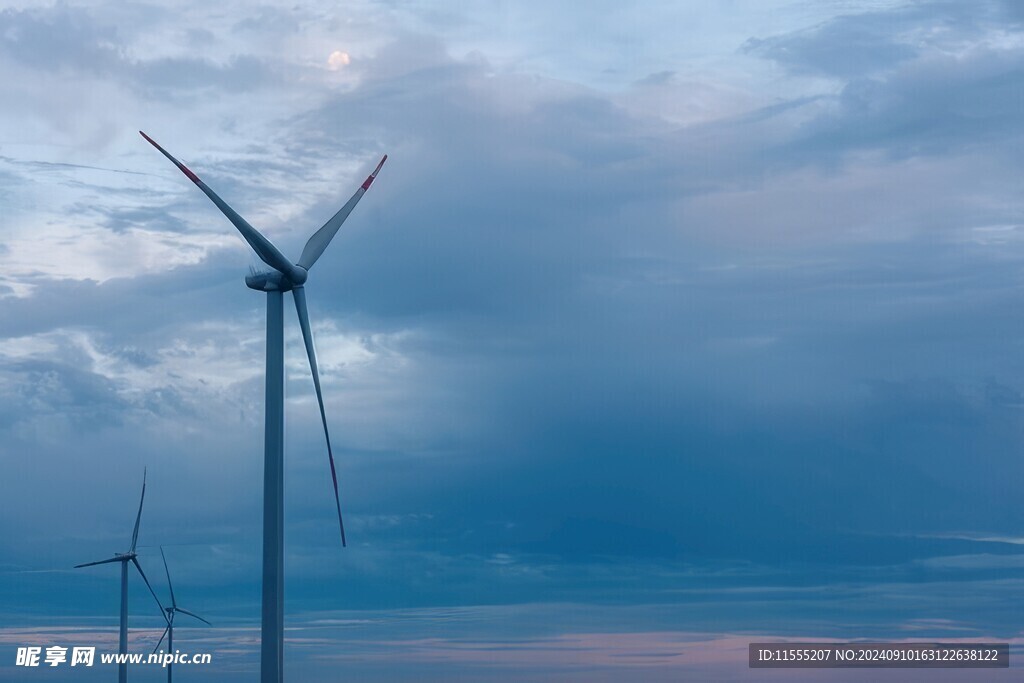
<point x="337" y="60"/>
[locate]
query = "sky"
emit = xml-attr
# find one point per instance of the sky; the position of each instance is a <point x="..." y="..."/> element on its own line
<point x="667" y="327"/>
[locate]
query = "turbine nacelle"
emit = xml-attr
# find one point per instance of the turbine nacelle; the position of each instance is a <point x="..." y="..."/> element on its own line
<point x="275" y="281"/>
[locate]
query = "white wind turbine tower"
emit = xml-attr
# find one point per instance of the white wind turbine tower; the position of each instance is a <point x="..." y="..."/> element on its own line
<point x="284" y="277"/>
<point x="124" y="559"/>
<point x="171" y="611"/>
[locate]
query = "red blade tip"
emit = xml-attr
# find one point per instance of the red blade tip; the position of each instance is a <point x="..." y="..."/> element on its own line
<point x="370" y="178"/>
<point x="182" y="167"/>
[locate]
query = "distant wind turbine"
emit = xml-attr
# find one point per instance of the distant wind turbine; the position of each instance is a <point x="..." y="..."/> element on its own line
<point x="124" y="559"/>
<point x="284" y="277"/>
<point x="171" y="611"/>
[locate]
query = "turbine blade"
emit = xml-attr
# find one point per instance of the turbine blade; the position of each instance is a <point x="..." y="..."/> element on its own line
<point x="162" y="636"/>
<point x="138" y="517"/>
<point x="138" y="566"/>
<point x="263" y="247"/>
<point x="322" y="237"/>
<point x="92" y="564"/>
<point x="307" y="336"/>
<point x="196" y="616"/>
<point x="168" y="572"/>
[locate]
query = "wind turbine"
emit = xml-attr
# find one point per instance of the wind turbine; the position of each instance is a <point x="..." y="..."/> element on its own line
<point x="124" y="559"/>
<point x="284" y="277"/>
<point x="171" y="611"/>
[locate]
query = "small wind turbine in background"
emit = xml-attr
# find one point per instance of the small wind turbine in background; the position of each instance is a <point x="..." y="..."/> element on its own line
<point x="124" y="559"/>
<point x="285" y="276"/>
<point x="171" y="611"/>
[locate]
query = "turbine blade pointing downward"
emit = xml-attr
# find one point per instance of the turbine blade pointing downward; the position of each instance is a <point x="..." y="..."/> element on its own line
<point x="263" y="247"/>
<point x="307" y="336"/>
<point x="195" y="616"/>
<point x="322" y="237"/>
<point x="164" y="635"/>
<point x="151" y="591"/>
<point x="138" y="517"/>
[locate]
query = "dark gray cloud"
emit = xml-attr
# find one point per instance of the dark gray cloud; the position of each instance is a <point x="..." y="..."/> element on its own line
<point x="658" y="78"/>
<point x="69" y="40"/>
<point x="79" y="399"/>
<point x="60" y="37"/>
<point x="923" y="79"/>
<point x="634" y="394"/>
<point x="858" y="44"/>
<point x="508" y="237"/>
<point x="936" y="105"/>
<point x="848" y="46"/>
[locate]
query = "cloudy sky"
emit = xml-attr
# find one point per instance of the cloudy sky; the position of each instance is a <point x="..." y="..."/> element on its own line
<point x="667" y="327"/>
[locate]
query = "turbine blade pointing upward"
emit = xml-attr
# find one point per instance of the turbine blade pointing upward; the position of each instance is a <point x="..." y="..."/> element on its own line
<point x="307" y="336"/>
<point x="322" y="237"/>
<point x="138" y="517"/>
<point x="168" y="572"/>
<point x="263" y="247"/>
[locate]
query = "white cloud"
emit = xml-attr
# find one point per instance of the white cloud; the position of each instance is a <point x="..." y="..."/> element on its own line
<point x="92" y="253"/>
